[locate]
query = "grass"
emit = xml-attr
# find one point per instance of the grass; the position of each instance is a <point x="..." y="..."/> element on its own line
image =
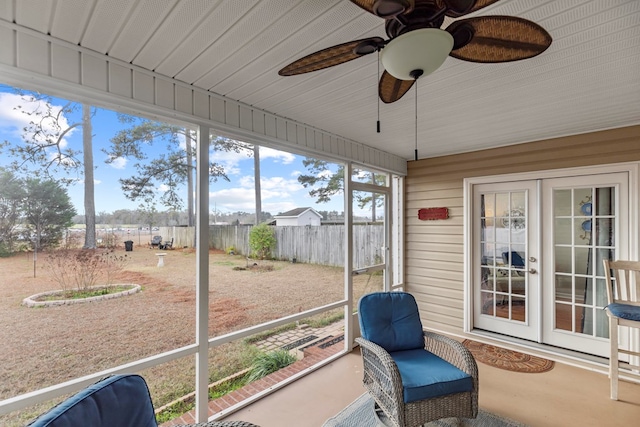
<point x="84" y="293"/>
<point x="101" y="335"/>
<point x="175" y="410"/>
<point x="324" y="319"/>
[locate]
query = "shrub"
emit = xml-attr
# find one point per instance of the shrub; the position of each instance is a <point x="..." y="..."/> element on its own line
<point x="84" y="268"/>
<point x="5" y="251"/>
<point x="267" y="363"/>
<point x="262" y="240"/>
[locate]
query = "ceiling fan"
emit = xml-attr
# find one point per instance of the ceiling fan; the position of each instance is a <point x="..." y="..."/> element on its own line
<point x="417" y="46"/>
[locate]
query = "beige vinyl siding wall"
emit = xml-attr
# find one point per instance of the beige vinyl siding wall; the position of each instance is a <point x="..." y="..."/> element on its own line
<point x="434" y="257"/>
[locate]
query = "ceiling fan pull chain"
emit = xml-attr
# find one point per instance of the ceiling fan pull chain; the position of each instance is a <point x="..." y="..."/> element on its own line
<point x="377" y="77"/>
<point x="416" y="110"/>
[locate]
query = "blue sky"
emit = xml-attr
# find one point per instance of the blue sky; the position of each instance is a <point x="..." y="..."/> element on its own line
<point x="281" y="190"/>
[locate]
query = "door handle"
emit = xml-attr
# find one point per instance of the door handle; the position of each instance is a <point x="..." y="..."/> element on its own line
<point x="533" y="271"/>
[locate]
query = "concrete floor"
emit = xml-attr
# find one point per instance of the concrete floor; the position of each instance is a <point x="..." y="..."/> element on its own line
<point x="565" y="396"/>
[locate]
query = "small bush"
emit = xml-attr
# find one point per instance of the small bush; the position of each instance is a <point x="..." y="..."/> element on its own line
<point x="262" y="240"/>
<point x="267" y="363"/>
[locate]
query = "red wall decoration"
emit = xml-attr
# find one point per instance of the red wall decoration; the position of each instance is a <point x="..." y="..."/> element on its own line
<point x="429" y="214"/>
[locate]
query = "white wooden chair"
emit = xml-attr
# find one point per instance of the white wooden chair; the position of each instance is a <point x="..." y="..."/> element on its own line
<point x="623" y="309"/>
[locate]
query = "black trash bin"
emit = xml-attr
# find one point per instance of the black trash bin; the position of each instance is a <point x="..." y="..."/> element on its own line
<point x="128" y="245"/>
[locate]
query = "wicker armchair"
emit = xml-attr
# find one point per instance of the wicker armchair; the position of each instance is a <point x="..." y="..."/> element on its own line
<point x="392" y="345"/>
<point x="117" y="400"/>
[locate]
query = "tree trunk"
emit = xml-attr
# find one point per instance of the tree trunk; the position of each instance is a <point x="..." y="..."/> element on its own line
<point x="256" y="179"/>
<point x="190" y="170"/>
<point x="89" y="186"/>
<point x="373" y="199"/>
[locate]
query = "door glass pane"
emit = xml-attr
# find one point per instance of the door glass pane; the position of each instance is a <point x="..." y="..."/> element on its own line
<point x="562" y="202"/>
<point x="605" y="201"/>
<point x="563" y="317"/>
<point x="563" y="259"/>
<point x="517" y="309"/>
<point x="368" y="242"/>
<point x="503" y="235"/>
<point x="580" y="293"/>
<point x="564" y="288"/>
<point x="562" y="231"/>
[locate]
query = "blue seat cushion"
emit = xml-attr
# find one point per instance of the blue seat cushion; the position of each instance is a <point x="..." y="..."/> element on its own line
<point x="625" y="311"/>
<point x="119" y="400"/>
<point x="391" y="320"/>
<point x="425" y="375"/>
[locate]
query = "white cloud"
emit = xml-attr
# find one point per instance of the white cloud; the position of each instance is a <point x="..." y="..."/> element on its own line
<point x="277" y="182"/>
<point x="277" y="156"/>
<point x="285" y="186"/>
<point x="13" y="118"/>
<point x="325" y="174"/>
<point x="119" y="163"/>
<point x="230" y="160"/>
<point x="277" y="195"/>
<point x="233" y="199"/>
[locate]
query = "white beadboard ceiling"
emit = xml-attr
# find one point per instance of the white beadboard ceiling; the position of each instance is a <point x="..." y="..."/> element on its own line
<point x="588" y="80"/>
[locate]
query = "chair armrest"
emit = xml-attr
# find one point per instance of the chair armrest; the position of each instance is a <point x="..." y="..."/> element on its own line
<point x="381" y="377"/>
<point x="453" y="352"/>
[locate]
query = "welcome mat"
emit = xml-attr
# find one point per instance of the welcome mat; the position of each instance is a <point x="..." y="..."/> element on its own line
<point x="507" y="359"/>
<point x="361" y="413"/>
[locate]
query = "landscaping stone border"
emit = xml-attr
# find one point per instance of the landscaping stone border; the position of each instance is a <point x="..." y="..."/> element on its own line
<point x="31" y="300"/>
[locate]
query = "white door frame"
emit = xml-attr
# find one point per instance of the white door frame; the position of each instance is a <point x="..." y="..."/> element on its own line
<point x="632" y="168"/>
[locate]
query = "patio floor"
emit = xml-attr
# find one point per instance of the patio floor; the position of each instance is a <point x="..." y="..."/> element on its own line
<point x="565" y="396"/>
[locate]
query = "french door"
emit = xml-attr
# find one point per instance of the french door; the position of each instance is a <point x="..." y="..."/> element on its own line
<point x="587" y="219"/>
<point x="537" y="257"/>
<point x="506" y="292"/>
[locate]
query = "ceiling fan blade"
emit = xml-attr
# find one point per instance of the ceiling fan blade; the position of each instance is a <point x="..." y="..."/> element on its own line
<point x="386" y="8"/>
<point x="391" y="89"/>
<point x="457" y="8"/>
<point x="490" y="39"/>
<point x="333" y="55"/>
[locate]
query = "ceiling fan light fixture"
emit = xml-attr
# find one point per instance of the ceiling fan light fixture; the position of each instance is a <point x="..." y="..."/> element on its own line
<point x="424" y="49"/>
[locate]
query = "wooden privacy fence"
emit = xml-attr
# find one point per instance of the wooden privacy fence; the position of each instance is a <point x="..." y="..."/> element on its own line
<point x="182" y="236"/>
<point x="322" y="244"/>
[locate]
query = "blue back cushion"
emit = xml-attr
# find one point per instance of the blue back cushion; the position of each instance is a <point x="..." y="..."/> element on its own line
<point x="117" y="401"/>
<point x="391" y="320"/>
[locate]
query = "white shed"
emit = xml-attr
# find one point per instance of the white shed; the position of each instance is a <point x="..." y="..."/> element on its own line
<point x="298" y="217"/>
